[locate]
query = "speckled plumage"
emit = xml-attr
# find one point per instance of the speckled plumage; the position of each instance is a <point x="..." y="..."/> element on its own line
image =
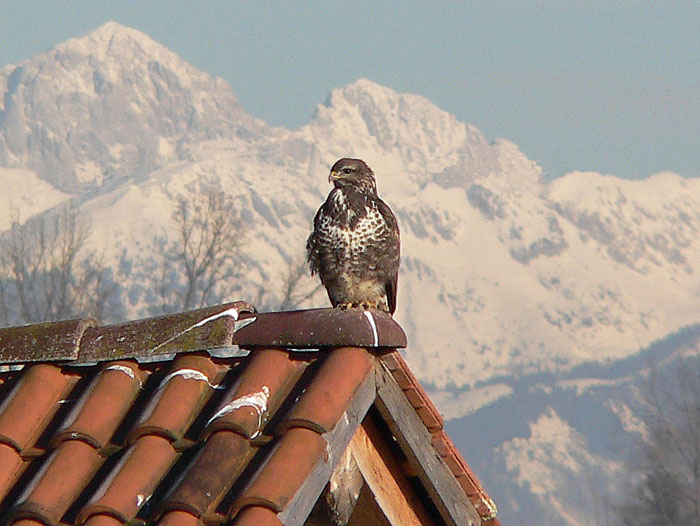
<point x="354" y="246"/>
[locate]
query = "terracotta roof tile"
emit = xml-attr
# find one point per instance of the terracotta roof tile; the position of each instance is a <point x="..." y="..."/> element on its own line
<point x="331" y="390"/>
<point x="466" y="478"/>
<point x="104" y="404"/>
<point x="210" y="475"/>
<point x="194" y="419"/>
<point x="257" y="516"/>
<point x="104" y="520"/>
<point x="262" y="387"/>
<point x="28" y="522"/>
<point x="61" y="479"/>
<point x="27" y="410"/>
<point x="179" y="518"/>
<point x="179" y="398"/>
<point x="133" y="480"/>
<point x="428" y="413"/>
<point x="291" y="462"/>
<point x="11" y="466"/>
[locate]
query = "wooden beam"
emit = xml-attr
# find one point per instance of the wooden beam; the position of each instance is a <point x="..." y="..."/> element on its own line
<point x="344" y="488"/>
<point x="415" y="441"/>
<point x="382" y="473"/>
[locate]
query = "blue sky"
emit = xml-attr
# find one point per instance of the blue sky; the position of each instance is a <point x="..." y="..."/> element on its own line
<point x="612" y="87"/>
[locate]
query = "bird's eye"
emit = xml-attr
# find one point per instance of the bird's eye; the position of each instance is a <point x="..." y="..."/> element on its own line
<point x="346" y="170"/>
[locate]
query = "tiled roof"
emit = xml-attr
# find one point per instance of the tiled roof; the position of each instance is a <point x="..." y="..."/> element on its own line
<point x="211" y="416"/>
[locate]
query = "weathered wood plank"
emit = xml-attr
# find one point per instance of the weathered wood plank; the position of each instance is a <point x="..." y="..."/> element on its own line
<point x="415" y="441"/>
<point x="383" y="475"/>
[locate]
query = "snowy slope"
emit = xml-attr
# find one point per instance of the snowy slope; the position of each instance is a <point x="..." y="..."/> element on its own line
<point x="504" y="277"/>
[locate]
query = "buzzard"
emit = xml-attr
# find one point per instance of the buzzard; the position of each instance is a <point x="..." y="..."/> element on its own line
<point x="354" y="246"/>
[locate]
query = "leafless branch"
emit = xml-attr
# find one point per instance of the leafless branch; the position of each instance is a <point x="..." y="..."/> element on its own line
<point x="45" y="273"/>
<point x="203" y="255"/>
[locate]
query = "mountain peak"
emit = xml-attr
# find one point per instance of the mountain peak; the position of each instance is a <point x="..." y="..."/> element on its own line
<point x="114" y="91"/>
<point x="112" y="29"/>
<point x="367" y="116"/>
<point x="113" y="41"/>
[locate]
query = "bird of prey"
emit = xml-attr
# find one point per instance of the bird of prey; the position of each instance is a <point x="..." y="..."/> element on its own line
<point x="354" y="246"/>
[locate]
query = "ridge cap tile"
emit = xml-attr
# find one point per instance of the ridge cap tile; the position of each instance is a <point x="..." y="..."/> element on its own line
<point x="44" y="341"/>
<point x="324" y="327"/>
<point x="188" y="331"/>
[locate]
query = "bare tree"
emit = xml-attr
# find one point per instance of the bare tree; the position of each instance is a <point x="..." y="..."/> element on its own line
<point x="45" y="273"/>
<point x="203" y="255"/>
<point x="665" y="472"/>
<point x="296" y="288"/>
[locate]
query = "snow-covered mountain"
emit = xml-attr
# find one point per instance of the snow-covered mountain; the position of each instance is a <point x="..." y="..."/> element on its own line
<point x="508" y="283"/>
<point x="113" y="104"/>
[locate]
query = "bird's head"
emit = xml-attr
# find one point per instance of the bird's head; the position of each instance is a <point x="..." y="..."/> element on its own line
<point x="352" y="173"/>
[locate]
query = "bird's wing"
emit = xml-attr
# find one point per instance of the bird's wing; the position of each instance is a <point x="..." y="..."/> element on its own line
<point x="312" y="255"/>
<point x="393" y="253"/>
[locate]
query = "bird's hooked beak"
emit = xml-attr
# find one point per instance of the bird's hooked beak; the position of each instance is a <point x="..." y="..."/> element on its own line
<point x="333" y="175"/>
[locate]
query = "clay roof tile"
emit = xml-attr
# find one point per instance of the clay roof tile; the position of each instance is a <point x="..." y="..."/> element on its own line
<point x="104" y="404"/>
<point x="210" y="475"/>
<point x="331" y="390"/>
<point x="426" y="410"/>
<point x="31" y="404"/>
<point x="11" y="466"/>
<point x="261" y="388"/>
<point x="179" y="518"/>
<point x="40" y="342"/>
<point x="133" y="480"/>
<point x="257" y="516"/>
<point x="179" y="398"/>
<point x="61" y="479"/>
<point x="211" y="415"/>
<point x="162" y="336"/>
<point x="292" y="461"/>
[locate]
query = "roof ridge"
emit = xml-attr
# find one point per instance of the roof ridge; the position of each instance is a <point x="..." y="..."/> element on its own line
<point x="221" y="330"/>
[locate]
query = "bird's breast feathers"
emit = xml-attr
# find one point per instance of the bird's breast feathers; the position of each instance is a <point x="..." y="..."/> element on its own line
<point x="350" y="225"/>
